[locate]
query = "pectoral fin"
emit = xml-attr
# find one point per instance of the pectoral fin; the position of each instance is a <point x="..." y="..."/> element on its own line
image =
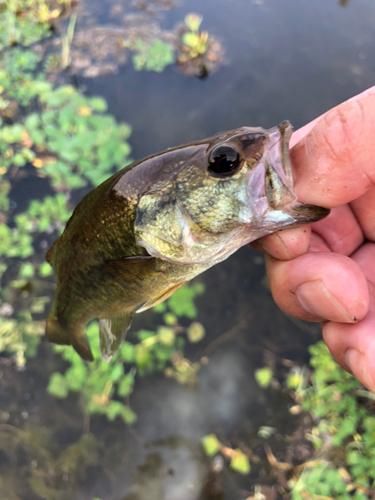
<point x="160" y="298"/>
<point x="112" y="333"/>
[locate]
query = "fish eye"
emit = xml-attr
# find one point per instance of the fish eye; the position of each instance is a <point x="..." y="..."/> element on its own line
<point x="224" y="161"/>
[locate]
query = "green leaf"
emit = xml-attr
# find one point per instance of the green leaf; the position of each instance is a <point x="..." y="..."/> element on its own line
<point x="211" y="445"/>
<point x="32" y="121"/>
<point x="116" y="373"/>
<point x="166" y="335"/>
<point x="193" y="21"/>
<point x="125" y="386"/>
<point x="128" y="415"/>
<point x="196" y="332"/>
<point x="160" y="308"/>
<point x="127" y="352"/>
<point x="239" y="462"/>
<point x="58" y="386"/>
<point x="264" y="377"/>
<point x="190" y="39"/>
<point x="98" y="104"/>
<point x="45" y="270"/>
<point x="26" y="270"/>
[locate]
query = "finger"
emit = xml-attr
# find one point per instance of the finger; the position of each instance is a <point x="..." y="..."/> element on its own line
<point x="364" y="210"/>
<point x="353" y="346"/>
<point x="286" y="244"/>
<point x="333" y="164"/>
<point x="340" y="230"/>
<point x="301" y="132"/>
<point x="319" y="286"/>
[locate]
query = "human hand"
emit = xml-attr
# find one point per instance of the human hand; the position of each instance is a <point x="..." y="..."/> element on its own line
<point x="326" y="272"/>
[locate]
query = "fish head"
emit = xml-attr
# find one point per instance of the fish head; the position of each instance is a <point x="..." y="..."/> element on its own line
<point x="220" y="194"/>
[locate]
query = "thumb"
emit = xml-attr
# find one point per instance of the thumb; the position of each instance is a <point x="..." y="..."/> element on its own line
<point x="334" y="163"/>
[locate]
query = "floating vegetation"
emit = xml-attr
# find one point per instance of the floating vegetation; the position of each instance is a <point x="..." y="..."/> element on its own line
<point x="342" y="433"/>
<point x="57" y="135"/>
<point x="336" y="431"/>
<point x="239" y="461"/>
<point x="99" y="50"/>
<point x="153" y="57"/>
<point x="102" y="386"/>
<point x="198" y="53"/>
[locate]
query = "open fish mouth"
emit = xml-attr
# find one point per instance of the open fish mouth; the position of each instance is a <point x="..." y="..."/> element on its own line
<point x="278" y="179"/>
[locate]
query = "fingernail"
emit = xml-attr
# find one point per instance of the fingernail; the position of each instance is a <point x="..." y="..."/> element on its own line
<point x="314" y="297"/>
<point x="357" y="364"/>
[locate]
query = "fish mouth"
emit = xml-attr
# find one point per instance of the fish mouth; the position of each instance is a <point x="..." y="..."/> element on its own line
<point x="277" y="186"/>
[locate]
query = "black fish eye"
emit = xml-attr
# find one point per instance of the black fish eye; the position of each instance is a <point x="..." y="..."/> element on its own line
<point x="224" y="161"/>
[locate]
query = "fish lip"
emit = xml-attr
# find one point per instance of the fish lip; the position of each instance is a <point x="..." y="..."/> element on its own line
<point x="308" y="213"/>
<point x="280" y="168"/>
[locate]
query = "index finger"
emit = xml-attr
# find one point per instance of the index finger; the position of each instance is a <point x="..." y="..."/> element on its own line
<point x="334" y="163"/>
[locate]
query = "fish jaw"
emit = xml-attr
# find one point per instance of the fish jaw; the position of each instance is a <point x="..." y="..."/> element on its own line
<point x="270" y="187"/>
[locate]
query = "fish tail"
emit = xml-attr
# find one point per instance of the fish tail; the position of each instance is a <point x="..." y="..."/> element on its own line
<point x="64" y="335"/>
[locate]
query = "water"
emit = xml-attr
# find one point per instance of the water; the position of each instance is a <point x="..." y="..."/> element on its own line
<point x="284" y="60"/>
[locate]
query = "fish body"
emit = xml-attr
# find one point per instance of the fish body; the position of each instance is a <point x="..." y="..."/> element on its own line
<point x="161" y="221"/>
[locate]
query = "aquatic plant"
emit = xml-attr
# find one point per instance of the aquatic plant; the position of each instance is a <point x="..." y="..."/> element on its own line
<point x="103" y="386"/>
<point x="60" y="135"/>
<point x="343" y="435"/>
<point x="198" y="53"/>
<point x="152" y="57"/>
<point x="195" y="41"/>
<point x="54" y="470"/>
<point x="25" y="22"/>
<point x="342" y="461"/>
<point x="239" y="461"/>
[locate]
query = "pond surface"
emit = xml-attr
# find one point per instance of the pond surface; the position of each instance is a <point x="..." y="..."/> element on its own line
<point x="283" y="60"/>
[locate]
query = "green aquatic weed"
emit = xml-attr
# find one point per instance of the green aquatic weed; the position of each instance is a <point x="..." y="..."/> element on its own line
<point x="50" y="213"/>
<point x="182" y="301"/>
<point x="195" y="41"/>
<point x="103" y="386"/>
<point x="25" y="22"/>
<point x="263" y="376"/>
<point x="152" y="57"/>
<point x="345" y="424"/>
<point x="20" y="337"/>
<point x="239" y="461"/>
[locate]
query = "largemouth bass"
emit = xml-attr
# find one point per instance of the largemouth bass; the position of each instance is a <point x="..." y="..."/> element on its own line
<point x="159" y="222"/>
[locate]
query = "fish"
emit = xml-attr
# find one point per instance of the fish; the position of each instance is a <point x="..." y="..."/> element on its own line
<point x="162" y="220"/>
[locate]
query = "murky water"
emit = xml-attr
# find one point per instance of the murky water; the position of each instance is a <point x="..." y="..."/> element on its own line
<point x="284" y="60"/>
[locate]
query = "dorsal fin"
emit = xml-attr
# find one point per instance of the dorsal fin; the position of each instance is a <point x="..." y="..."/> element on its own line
<point x="112" y="332"/>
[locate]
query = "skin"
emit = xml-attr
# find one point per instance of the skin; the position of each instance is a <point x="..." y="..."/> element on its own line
<point x="326" y="272"/>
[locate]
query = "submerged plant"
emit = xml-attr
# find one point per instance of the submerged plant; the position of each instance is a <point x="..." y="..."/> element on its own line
<point x="103" y="386"/>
